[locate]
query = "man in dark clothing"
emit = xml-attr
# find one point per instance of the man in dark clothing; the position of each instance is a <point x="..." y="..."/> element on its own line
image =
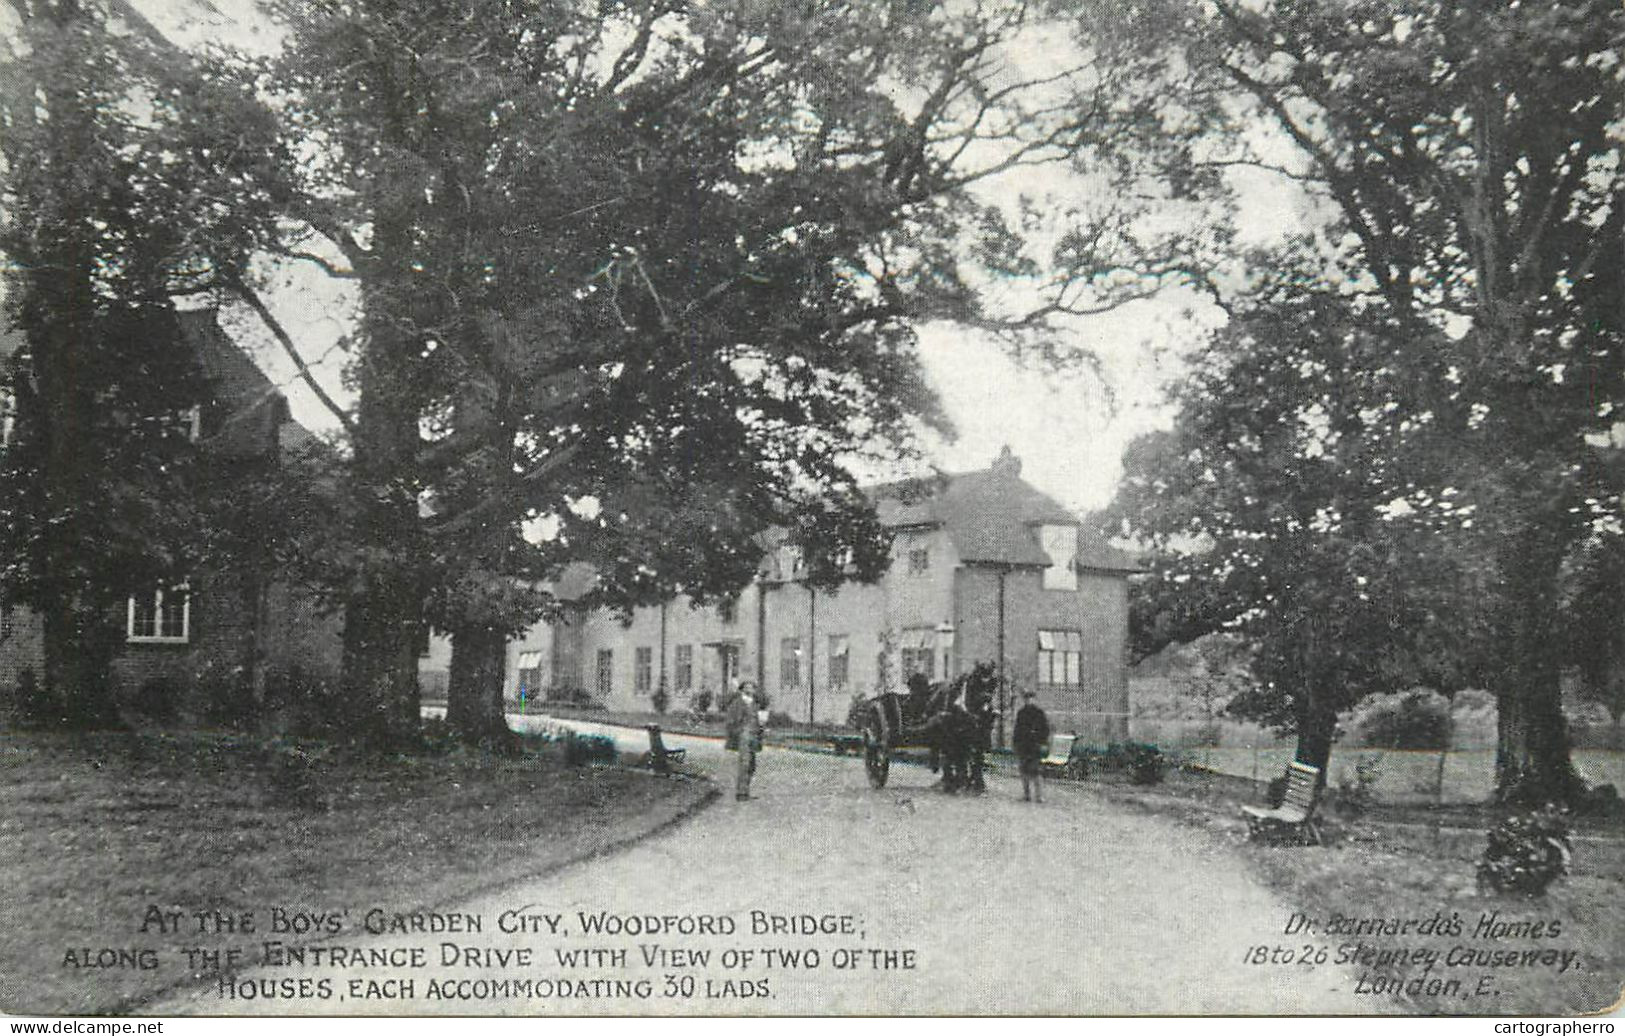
<point x="1031" y="741"/>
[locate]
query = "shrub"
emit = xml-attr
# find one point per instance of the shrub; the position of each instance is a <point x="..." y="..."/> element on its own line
<point x="581" y="749"/>
<point x="34" y="708"/>
<point x="1357" y="795"/>
<point x="1144" y="763"/>
<point x="778" y="719"/>
<point x="306" y="705"/>
<point x="660" y="699"/>
<point x="156" y="701"/>
<point x="1418" y="718"/>
<point x="700" y="704"/>
<point x="1205" y="735"/>
<point x="437" y="737"/>
<point x="1526" y="853"/>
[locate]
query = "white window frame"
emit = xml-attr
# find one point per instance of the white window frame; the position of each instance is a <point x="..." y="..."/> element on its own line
<point x="1066" y="648"/>
<point x="683" y="663"/>
<point x="185" y="637"/>
<point x="840" y="648"/>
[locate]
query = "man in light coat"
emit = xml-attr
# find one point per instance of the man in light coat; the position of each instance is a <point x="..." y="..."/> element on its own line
<point x="744" y="737"/>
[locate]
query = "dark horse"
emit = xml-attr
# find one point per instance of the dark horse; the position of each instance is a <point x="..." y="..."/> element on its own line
<point x="956" y="721"/>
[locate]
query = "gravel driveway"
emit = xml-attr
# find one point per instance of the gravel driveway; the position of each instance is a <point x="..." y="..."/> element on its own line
<point x="909" y="901"/>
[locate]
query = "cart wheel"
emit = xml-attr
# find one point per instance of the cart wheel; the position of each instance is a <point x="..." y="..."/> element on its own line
<point x="876" y="756"/>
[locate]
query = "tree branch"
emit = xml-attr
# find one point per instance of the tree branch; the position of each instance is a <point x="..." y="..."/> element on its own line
<point x="250" y="296"/>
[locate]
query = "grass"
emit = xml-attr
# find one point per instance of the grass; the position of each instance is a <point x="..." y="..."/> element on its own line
<point x="1408" y="777"/>
<point x="95" y="829"/>
<point x="1401" y="861"/>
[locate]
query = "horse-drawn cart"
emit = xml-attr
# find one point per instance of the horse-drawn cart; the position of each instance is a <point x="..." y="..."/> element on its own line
<point x="951" y="721"/>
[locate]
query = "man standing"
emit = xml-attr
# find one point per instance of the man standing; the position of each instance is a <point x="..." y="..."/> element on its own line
<point x="1030" y="739"/>
<point x="744" y="736"/>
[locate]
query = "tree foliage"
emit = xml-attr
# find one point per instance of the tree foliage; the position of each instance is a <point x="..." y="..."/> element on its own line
<point x="662" y="257"/>
<point x="1466" y="159"/>
<point x="125" y="183"/>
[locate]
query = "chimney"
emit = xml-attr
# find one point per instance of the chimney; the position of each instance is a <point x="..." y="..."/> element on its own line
<point x="1007" y="464"/>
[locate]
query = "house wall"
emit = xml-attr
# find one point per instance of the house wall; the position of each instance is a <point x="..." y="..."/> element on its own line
<point x="293" y="634"/>
<point x="1098" y="609"/>
<point x="215" y="656"/>
<point x="21" y="647"/>
<point x="774" y="609"/>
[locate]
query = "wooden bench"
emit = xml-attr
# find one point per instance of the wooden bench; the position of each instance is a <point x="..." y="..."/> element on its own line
<point x="1059" y="760"/>
<point x="660" y="757"/>
<point x="1295" y="816"/>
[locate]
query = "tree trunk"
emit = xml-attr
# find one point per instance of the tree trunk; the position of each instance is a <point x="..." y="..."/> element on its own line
<point x="1532" y="763"/>
<point x="384" y="607"/>
<point x="1317" y="724"/>
<point x="78" y="666"/>
<point x="479" y="644"/>
<point x="474" y="701"/>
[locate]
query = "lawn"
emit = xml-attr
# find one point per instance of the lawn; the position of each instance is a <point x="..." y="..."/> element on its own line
<point x="1402" y="861"/>
<point x="97" y="829"/>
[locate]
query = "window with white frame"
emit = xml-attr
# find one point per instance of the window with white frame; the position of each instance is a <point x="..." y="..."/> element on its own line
<point x="840" y="654"/>
<point x="162" y="617"/>
<point x="685" y="666"/>
<point x="1060" y="658"/>
<point x="790" y="662"/>
<point x="1060" y="542"/>
<point x="530" y="674"/>
<point x="643" y="669"/>
<point x="917" y="652"/>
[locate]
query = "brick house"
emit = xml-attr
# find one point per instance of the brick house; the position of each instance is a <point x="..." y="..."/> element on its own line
<point x="984" y="568"/>
<point x="225" y="628"/>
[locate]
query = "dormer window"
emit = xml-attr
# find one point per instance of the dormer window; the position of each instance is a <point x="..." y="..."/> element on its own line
<point x="790" y="561"/>
<point x="919" y="561"/>
<point x="1060" y="542"/>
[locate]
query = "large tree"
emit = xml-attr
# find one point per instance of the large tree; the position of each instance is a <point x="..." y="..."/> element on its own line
<point x="125" y="182"/>
<point x="1267" y="511"/>
<point x="1466" y="158"/>
<point x="665" y="257"/>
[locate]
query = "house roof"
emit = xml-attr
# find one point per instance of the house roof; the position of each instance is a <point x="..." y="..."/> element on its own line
<point x="992" y="517"/>
<point x="248" y="407"/>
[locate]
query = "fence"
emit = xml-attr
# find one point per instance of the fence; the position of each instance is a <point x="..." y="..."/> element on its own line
<point x="1455" y="774"/>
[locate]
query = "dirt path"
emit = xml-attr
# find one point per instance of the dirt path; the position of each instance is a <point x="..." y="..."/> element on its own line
<point x="1071" y="907"/>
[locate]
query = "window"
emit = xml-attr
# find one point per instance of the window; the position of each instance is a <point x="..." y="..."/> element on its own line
<point x="918" y="653"/>
<point x="163" y="617"/>
<point x="530" y="674"/>
<point x="606" y="671"/>
<point x="790" y="662"/>
<point x="685" y="666"/>
<point x="555" y="668"/>
<point x="1060" y="658"/>
<point x="8" y="416"/>
<point x="919" y="561"/>
<point x="839" y="653"/>
<point x="643" y="665"/>
<point x="1060" y="542"/>
<point x="8" y="622"/>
